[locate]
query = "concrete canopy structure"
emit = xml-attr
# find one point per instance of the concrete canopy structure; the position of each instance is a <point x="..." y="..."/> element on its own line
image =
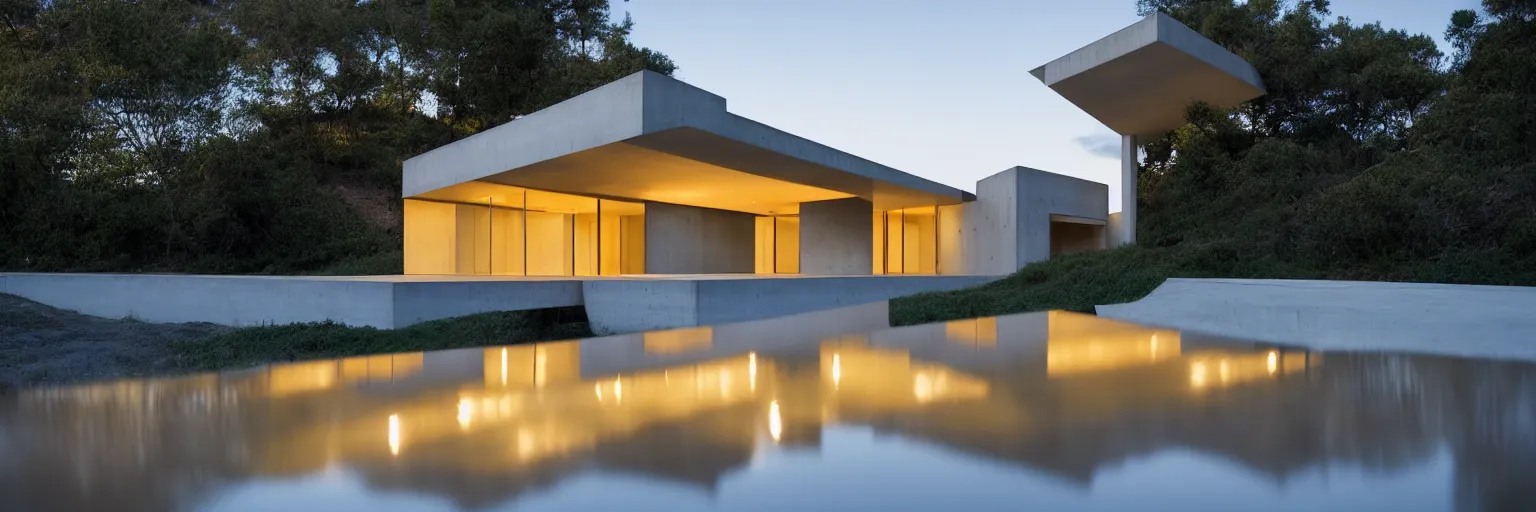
<point x="1140" y="80"/>
<point x="650" y="137"/>
<point x="649" y="175"/>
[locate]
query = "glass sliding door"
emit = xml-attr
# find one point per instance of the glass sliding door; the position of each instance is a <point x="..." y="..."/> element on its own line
<point x="621" y="237"/>
<point x="523" y="232"/>
<point x="778" y="245"/>
<point x="906" y="241"/>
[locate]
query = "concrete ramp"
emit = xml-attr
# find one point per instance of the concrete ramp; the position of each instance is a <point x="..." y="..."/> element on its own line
<point x="1460" y="320"/>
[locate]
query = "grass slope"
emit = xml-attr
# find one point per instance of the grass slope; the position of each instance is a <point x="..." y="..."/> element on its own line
<point x="1081" y="281"/>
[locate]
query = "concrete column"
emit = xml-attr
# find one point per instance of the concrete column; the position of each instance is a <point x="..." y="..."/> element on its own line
<point x="835" y="237"/>
<point x="691" y="240"/>
<point x="1127" y="234"/>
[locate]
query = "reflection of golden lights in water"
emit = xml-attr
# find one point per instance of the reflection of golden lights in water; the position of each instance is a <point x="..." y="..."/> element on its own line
<point x="752" y="370"/>
<point x="922" y="387"/>
<point x="775" y="421"/>
<point x="1274" y="362"/>
<point x="464" y="412"/>
<point x="503" y="366"/>
<point x="618" y="391"/>
<point x="837" y="370"/>
<point x="1197" y="375"/>
<point x="540" y="362"/>
<point x="394" y="434"/>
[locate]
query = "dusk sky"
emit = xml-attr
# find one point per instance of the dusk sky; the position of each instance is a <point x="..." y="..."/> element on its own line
<point x="937" y="89"/>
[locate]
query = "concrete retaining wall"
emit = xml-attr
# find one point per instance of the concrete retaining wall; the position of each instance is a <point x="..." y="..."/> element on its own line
<point x="384" y="302"/>
<point x="1462" y="320"/>
<point x="614" y="305"/>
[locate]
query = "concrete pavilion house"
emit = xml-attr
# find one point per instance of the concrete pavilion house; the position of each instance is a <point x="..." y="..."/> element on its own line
<point x="649" y="175"/>
<point x="649" y="204"/>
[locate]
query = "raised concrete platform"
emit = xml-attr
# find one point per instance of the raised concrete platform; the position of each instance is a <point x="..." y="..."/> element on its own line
<point x="614" y="304"/>
<point x="374" y="301"/>
<point x="620" y="305"/>
<point x="1460" y="320"/>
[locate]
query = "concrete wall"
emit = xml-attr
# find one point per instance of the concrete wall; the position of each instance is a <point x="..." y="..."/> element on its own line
<point x="991" y="226"/>
<point x="1009" y="224"/>
<point x="953" y="240"/>
<point x="384" y="302"/>
<point x="835" y="237"/>
<point x="690" y="240"/>
<point x="1042" y="194"/>
<point x="416" y="302"/>
<point x="1461" y="320"/>
<point x="226" y="300"/>
<point x="620" y="306"/>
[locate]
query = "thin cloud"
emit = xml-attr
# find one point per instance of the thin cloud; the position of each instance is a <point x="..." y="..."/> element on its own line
<point x="1101" y="145"/>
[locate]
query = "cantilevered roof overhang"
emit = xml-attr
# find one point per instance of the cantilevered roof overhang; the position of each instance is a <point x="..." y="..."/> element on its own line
<point x="651" y="137"/>
<point x="1140" y="80"/>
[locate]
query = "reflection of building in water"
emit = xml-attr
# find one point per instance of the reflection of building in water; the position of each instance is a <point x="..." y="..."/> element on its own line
<point x="1060" y="392"/>
<point x="320" y="375"/>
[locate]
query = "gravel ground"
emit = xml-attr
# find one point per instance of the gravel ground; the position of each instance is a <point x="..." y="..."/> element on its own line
<point x="41" y="345"/>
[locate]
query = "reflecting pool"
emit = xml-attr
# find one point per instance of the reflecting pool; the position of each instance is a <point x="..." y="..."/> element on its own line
<point x="1040" y="411"/>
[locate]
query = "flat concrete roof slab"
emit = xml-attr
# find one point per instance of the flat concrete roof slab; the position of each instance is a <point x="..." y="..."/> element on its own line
<point x="651" y="137"/>
<point x="1140" y="80"/>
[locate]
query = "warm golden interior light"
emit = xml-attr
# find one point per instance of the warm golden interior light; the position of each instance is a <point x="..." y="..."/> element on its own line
<point x="514" y="231"/>
<point x="775" y="421"/>
<point x="394" y="434"/>
<point x="906" y="241"/>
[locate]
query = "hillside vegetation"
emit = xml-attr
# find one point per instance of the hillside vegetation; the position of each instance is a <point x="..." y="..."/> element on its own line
<point x="1374" y="157"/>
<point x="266" y="136"/>
<point x="243" y="136"/>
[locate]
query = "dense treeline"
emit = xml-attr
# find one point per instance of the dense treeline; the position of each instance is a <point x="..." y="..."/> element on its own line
<point x="266" y="135"/>
<point x="1373" y="156"/>
<point x="261" y="135"/>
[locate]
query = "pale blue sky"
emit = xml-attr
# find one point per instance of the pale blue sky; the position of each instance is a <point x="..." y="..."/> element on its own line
<point x="940" y="89"/>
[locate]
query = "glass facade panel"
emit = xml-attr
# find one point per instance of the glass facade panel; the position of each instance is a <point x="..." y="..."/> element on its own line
<point x="778" y="245"/>
<point x="523" y="232"/>
<point x="786" y="246"/>
<point x="764" y="245"/>
<point x="906" y="241"/>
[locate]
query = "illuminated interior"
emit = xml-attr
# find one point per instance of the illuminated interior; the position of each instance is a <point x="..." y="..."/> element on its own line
<point x="778" y="244"/>
<point x="486" y="229"/>
<point x="906" y="241"/>
<point x="1072" y="235"/>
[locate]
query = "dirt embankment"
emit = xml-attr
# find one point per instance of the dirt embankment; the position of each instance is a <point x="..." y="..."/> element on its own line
<point x="41" y="345"/>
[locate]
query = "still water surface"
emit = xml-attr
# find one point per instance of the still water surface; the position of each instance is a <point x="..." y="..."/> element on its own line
<point x="1044" y="411"/>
